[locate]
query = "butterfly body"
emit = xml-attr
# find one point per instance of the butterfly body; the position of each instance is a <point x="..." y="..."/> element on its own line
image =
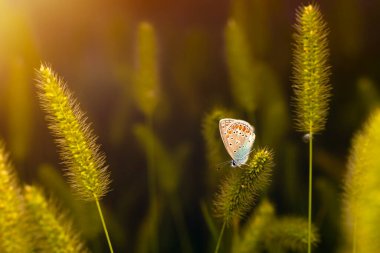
<point x="238" y="137"/>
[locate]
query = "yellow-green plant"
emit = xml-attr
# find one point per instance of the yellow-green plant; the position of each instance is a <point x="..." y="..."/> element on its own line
<point x="167" y="160"/>
<point x="82" y="213"/>
<point x="361" y="199"/>
<point x="85" y="165"/>
<point x="311" y="70"/>
<point x="254" y="18"/>
<point x="146" y="78"/>
<point x="243" y="74"/>
<point x="146" y="95"/>
<point x="239" y="191"/>
<point x="13" y="235"/>
<point x="251" y="239"/>
<point x="367" y="94"/>
<point x="214" y="146"/>
<point x="50" y="229"/>
<point x="310" y="81"/>
<point x="289" y="233"/>
<point x="168" y="163"/>
<point x="19" y="52"/>
<point x="264" y="232"/>
<point x="210" y="130"/>
<point x="215" y="156"/>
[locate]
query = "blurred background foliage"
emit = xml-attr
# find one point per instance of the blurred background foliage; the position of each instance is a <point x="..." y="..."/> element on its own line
<point x="232" y="54"/>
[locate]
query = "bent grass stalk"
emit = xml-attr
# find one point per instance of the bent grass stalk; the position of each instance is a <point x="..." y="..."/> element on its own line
<point x="311" y="82"/>
<point x="85" y="164"/>
<point x="220" y="238"/>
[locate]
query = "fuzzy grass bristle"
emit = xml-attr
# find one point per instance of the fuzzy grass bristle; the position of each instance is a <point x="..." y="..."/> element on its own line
<point x="253" y="233"/>
<point x="50" y="229"/>
<point x="13" y="237"/>
<point x="290" y="233"/>
<point x="85" y="165"/>
<point x="311" y="70"/>
<point x="239" y="191"/>
<point x="361" y="197"/>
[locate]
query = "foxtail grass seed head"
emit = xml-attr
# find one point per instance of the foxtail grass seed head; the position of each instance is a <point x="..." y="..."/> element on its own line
<point x="290" y="233"/>
<point x="49" y="227"/>
<point x="239" y="191"/>
<point x="146" y="82"/>
<point x="361" y="185"/>
<point x="253" y="232"/>
<point x="243" y="74"/>
<point x="13" y="237"/>
<point x="85" y="165"/>
<point x="211" y="134"/>
<point x="311" y="70"/>
<point x="83" y="213"/>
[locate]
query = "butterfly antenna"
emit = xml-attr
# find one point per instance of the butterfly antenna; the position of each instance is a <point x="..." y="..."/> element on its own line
<point x="251" y="151"/>
<point x="243" y="164"/>
<point x="219" y="165"/>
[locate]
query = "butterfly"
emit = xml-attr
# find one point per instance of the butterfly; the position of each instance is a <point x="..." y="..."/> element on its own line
<point x="238" y="137"/>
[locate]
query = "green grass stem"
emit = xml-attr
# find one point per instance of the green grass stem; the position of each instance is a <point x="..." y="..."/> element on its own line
<point x="220" y="238"/>
<point x="207" y="217"/>
<point x="179" y="219"/>
<point x="103" y="223"/>
<point x="152" y="179"/>
<point x="354" y="236"/>
<point x="310" y="191"/>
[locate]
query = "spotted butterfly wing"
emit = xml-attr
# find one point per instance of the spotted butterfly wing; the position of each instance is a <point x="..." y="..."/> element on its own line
<point x="238" y="137"/>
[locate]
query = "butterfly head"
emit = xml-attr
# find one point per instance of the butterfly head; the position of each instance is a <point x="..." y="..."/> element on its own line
<point x="239" y="162"/>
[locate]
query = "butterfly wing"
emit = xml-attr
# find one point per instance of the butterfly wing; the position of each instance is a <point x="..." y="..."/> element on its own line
<point x="238" y="137"/>
<point x="223" y="125"/>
